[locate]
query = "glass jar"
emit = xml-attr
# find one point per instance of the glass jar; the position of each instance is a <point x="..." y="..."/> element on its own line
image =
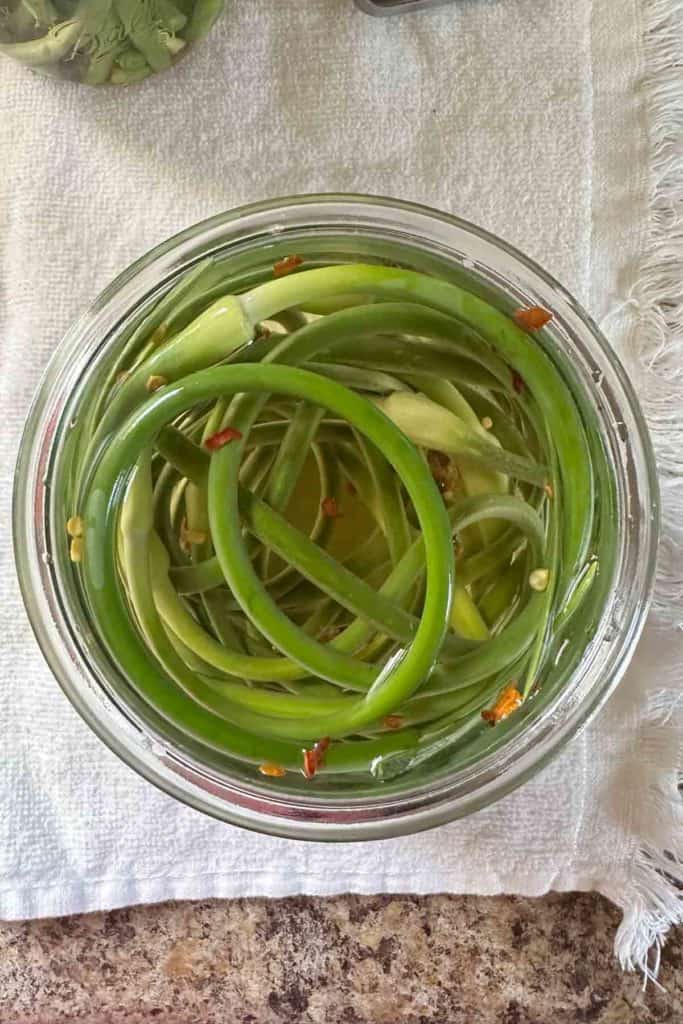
<point x="103" y="42"/>
<point x="380" y="7"/>
<point x="332" y="228"/>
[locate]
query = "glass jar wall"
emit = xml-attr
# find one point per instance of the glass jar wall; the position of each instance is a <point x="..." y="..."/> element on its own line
<point x="244" y="245"/>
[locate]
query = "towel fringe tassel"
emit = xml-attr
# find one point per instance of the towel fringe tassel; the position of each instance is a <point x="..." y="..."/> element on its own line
<point x="653" y="355"/>
<point x="652" y="899"/>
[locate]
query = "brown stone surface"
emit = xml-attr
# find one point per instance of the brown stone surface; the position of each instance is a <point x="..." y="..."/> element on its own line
<point x="351" y="960"/>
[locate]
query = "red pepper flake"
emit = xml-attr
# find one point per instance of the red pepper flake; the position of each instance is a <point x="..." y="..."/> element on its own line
<point x="222" y="438"/>
<point x="440" y="467"/>
<point x="272" y="771"/>
<point x="330" y="508"/>
<point x="518" y="382"/>
<point x="310" y="763"/>
<point x="532" y="318"/>
<point x="287" y="265"/>
<point x="315" y="758"/>
<point x="351" y="489"/>
<point x="393" y="722"/>
<point x="509" y="700"/>
<point x="444" y="472"/>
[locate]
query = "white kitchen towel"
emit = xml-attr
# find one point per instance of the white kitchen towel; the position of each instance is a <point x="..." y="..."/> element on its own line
<point x="556" y="125"/>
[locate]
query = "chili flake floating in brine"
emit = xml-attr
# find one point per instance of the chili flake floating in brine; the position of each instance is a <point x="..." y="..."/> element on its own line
<point x="330" y="508"/>
<point x="518" y="382"/>
<point x="221" y="438"/>
<point x="286" y="265"/>
<point x="509" y="700"/>
<point x="532" y="318"/>
<point x="315" y="758"/>
<point x="272" y="771"/>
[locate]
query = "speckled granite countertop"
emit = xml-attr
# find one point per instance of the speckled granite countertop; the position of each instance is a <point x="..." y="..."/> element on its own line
<point x="351" y="960"/>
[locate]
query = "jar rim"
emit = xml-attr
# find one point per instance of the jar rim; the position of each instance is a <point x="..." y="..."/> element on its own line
<point x="254" y="806"/>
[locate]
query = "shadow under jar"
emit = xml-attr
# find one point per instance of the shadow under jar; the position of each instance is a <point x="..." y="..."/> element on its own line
<point x="319" y="533"/>
<point x="103" y="42"/>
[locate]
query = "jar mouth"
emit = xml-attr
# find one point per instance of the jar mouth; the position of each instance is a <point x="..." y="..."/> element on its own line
<point x="360" y="226"/>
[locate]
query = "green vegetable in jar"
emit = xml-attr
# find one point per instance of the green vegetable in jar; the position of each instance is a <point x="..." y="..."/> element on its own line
<point x="336" y="521"/>
<point x="103" y="42"/>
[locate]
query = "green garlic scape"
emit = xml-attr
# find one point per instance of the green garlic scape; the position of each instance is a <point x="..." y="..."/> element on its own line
<point x="334" y="522"/>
